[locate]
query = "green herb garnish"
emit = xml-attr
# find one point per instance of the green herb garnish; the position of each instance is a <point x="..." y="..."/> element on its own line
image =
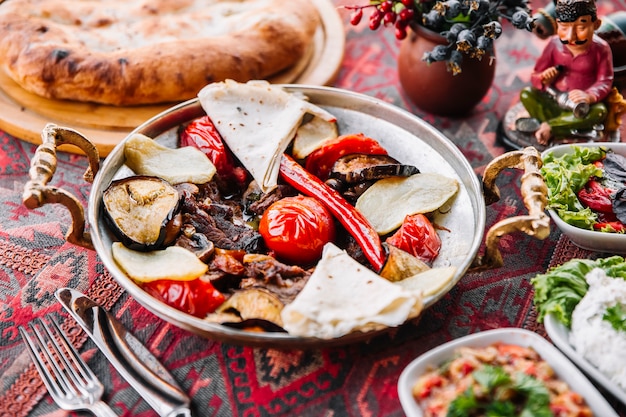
<point x="519" y="395"/>
<point x="616" y="315"/>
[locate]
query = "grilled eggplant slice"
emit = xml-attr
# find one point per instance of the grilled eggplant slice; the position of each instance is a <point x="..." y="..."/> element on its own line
<point x="143" y="212"/>
<point x="254" y="303"/>
<point x="359" y="168"/>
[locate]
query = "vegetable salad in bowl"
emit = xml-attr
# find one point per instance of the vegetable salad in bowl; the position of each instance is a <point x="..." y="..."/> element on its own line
<point x="583" y="305"/>
<point x="587" y="194"/>
<point x="498" y="372"/>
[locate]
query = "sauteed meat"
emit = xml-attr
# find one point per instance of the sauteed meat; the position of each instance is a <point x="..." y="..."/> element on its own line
<point x="197" y="243"/>
<point x="285" y="281"/>
<point x="220" y="220"/>
<point x="256" y="202"/>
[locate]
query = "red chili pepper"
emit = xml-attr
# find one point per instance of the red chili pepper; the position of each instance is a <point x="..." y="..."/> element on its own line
<point x="352" y="219"/>
<point x="321" y="161"/>
<point x="197" y="297"/>
<point x="202" y="134"/>
<point x="596" y="197"/>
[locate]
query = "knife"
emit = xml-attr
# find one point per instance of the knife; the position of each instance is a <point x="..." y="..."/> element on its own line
<point x="127" y="354"/>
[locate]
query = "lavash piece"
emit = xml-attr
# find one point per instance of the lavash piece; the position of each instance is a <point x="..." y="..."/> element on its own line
<point x="343" y="296"/>
<point x="257" y="121"/>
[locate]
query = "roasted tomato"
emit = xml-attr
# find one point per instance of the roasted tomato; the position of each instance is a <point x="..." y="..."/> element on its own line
<point x="321" y="161"/>
<point x="197" y="297"/>
<point x="296" y="229"/>
<point x="418" y="237"/>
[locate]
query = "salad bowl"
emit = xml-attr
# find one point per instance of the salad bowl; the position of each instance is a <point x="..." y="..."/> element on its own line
<point x="563" y="368"/>
<point x="403" y="134"/>
<point x="592" y="240"/>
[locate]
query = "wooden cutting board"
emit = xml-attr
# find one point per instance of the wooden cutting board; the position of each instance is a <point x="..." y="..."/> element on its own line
<point x="24" y="114"/>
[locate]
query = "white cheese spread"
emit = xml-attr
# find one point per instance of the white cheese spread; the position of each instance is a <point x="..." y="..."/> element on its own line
<point x="595" y="338"/>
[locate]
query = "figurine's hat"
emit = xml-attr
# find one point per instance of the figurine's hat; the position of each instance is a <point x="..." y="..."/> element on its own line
<point x="570" y="10"/>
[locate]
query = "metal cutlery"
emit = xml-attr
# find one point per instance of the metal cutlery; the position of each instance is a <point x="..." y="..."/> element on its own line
<point x="70" y="382"/>
<point x="127" y="354"/>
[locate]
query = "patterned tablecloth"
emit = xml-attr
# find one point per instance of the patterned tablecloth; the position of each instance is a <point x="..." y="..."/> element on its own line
<point x="224" y="379"/>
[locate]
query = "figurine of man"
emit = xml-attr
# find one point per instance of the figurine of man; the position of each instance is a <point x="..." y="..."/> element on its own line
<point x="573" y="75"/>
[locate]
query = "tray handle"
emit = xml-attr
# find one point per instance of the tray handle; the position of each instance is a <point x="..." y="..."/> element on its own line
<point x="534" y="194"/>
<point x="42" y="168"/>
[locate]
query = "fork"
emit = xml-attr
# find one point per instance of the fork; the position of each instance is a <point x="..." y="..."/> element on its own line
<point x="70" y="382"/>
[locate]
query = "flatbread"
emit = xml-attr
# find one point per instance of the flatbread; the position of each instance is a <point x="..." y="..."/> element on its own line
<point x="343" y="296"/>
<point x="257" y="121"/>
<point x="130" y="52"/>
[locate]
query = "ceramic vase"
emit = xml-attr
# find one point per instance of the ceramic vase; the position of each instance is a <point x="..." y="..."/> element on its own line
<point x="432" y="87"/>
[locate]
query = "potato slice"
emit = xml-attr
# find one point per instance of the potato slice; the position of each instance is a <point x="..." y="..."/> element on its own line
<point x="388" y="201"/>
<point x="310" y="136"/>
<point x="174" y="262"/>
<point x="430" y="282"/>
<point x="148" y="157"/>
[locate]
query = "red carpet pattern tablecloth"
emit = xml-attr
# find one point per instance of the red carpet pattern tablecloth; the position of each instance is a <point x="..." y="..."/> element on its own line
<point x="233" y="380"/>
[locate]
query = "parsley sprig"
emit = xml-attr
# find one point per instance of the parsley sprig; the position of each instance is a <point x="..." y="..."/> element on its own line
<point x="616" y="315"/>
<point x="505" y="395"/>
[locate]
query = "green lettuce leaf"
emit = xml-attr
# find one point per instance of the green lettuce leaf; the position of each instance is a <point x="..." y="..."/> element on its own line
<point x="565" y="176"/>
<point x="561" y="288"/>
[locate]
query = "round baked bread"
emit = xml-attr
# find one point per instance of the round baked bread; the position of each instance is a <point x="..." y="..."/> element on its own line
<point x="133" y="52"/>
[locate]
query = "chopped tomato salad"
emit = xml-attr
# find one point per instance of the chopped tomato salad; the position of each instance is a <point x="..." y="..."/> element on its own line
<point x="499" y="380"/>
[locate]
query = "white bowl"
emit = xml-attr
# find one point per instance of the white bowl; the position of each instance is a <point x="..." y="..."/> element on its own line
<point x="614" y="243"/>
<point x="562" y="367"/>
<point x="559" y="334"/>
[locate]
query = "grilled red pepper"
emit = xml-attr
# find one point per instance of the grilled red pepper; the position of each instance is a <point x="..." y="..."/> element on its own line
<point x="321" y="161"/>
<point x="596" y="197"/>
<point x="615" y="226"/>
<point x="352" y="219"/>
<point x="418" y="237"/>
<point x="197" y="297"/>
<point x="202" y="134"/>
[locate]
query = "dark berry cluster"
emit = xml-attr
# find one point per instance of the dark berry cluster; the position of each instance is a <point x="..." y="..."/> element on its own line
<point x="470" y="26"/>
